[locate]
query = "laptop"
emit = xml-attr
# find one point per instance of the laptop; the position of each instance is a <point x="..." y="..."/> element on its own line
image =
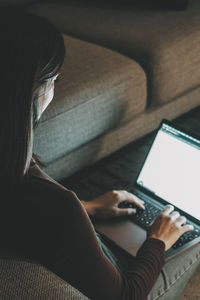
<point x="170" y="174"/>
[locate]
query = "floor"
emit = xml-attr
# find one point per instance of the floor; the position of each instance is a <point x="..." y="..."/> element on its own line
<point x="119" y="170"/>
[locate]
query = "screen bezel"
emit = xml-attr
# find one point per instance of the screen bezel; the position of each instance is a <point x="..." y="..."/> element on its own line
<point x="148" y="192"/>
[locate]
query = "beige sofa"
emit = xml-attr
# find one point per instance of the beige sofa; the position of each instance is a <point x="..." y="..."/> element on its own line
<point x="126" y="68"/>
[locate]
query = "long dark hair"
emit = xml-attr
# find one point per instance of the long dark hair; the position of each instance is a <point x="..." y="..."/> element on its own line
<point x="31" y="51"/>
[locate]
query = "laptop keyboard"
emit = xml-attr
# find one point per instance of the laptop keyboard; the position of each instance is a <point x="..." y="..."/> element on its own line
<point x="144" y="218"/>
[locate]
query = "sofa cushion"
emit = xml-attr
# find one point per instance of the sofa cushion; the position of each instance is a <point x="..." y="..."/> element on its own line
<point x="98" y="90"/>
<point x="17" y="2"/>
<point x="165" y="43"/>
<point x="23" y="279"/>
<point x="150" y="4"/>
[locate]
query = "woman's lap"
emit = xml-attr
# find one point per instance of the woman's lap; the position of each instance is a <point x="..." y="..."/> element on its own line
<point x="174" y="275"/>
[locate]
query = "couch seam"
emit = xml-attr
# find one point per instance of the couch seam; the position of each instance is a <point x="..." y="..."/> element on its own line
<point x="82" y="104"/>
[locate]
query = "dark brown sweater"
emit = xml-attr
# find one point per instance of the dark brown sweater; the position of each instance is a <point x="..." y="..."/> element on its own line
<point x="47" y="223"/>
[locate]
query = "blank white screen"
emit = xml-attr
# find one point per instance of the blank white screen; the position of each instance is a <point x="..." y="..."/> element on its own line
<point x="172" y="172"/>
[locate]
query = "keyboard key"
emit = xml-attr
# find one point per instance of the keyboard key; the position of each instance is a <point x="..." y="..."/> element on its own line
<point x="147" y="216"/>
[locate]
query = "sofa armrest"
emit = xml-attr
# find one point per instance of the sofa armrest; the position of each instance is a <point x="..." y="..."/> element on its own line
<point x="23" y="279"/>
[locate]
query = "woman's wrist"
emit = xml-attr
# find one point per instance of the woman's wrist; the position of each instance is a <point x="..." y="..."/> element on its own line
<point x="89" y="207"/>
<point x="157" y="239"/>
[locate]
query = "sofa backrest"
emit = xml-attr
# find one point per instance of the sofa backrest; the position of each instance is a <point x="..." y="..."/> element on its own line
<point x="161" y="4"/>
<point x="20" y="279"/>
<point x="17" y="2"/>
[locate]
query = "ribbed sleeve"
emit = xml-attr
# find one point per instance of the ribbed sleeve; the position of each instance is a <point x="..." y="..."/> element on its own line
<point x="146" y="267"/>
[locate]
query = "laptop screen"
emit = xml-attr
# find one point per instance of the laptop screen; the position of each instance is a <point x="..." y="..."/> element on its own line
<point x="172" y="169"/>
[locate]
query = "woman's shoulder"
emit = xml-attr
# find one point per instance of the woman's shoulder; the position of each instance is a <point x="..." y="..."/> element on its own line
<point x="49" y="188"/>
<point x="44" y="190"/>
<point x="36" y="176"/>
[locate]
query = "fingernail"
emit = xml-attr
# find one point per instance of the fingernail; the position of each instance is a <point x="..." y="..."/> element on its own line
<point x="131" y="211"/>
<point x="170" y="206"/>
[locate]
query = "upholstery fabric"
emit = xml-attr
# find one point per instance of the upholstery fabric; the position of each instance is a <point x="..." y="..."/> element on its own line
<point x="22" y="279"/>
<point x="150" y="4"/>
<point x="17" y="3"/>
<point x="98" y="90"/>
<point x="165" y="43"/>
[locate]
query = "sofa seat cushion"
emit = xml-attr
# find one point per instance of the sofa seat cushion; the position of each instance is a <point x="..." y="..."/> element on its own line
<point x="98" y="90"/>
<point x="165" y="43"/>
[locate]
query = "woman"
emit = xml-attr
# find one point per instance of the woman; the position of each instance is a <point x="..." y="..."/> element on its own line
<point x="40" y="219"/>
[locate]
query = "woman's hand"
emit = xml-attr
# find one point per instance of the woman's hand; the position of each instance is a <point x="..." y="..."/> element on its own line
<point x="106" y="206"/>
<point x="168" y="227"/>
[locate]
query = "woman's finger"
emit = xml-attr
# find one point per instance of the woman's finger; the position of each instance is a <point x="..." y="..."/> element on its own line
<point x="129" y="197"/>
<point x="187" y="228"/>
<point x="139" y="203"/>
<point x="167" y="210"/>
<point x="181" y="221"/>
<point x="135" y="200"/>
<point x="174" y="215"/>
<point x="125" y="211"/>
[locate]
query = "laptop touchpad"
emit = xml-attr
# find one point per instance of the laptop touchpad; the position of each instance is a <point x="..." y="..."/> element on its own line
<point x="123" y="232"/>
